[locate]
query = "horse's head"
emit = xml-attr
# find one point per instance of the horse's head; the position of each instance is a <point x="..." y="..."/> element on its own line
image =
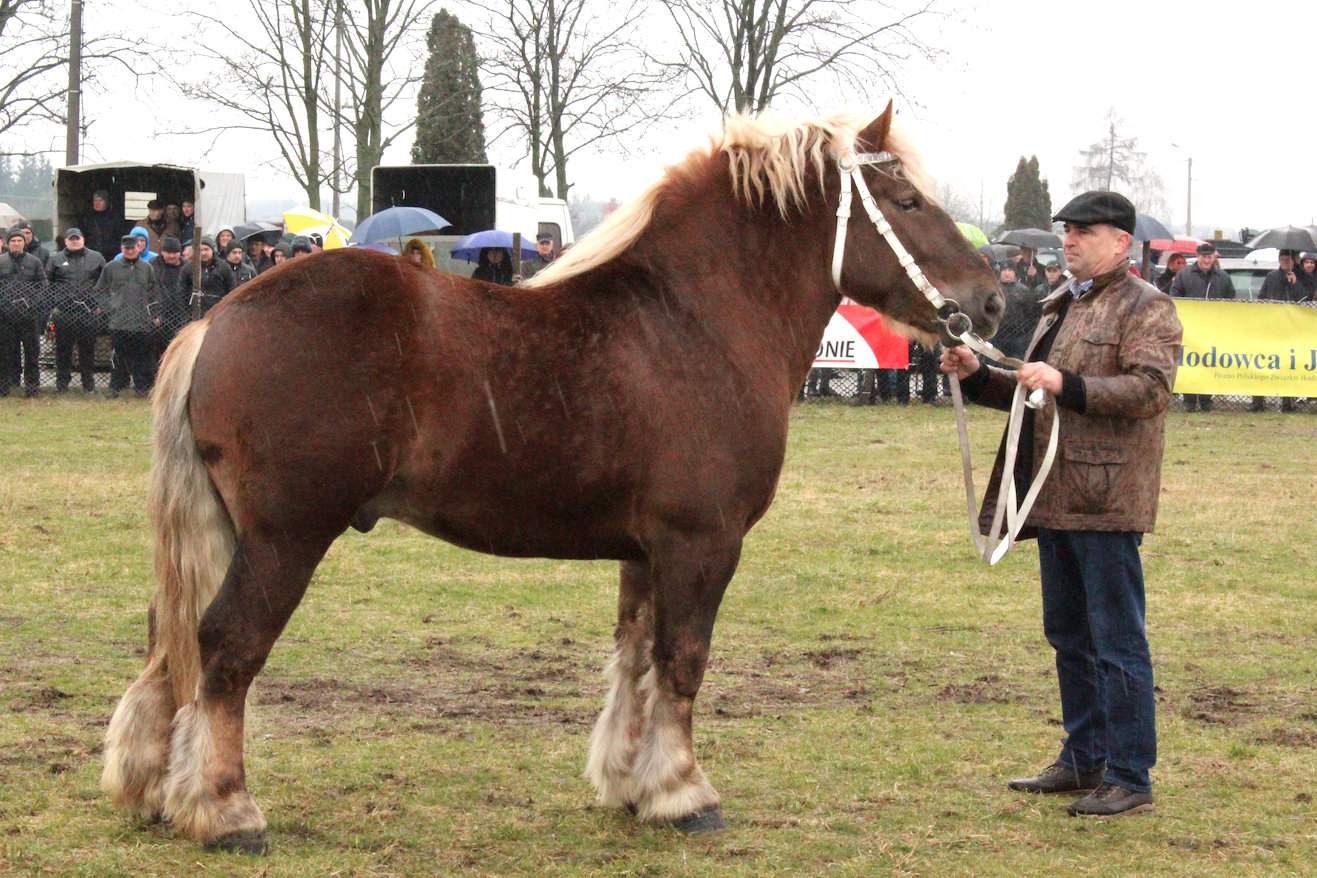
<point x="867" y="261"/>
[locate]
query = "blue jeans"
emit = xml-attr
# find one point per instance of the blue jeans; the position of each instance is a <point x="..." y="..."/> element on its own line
<point x="1093" y="612"/>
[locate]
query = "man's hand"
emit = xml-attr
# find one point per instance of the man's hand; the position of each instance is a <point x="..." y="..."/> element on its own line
<point x="1034" y="375"/>
<point x="959" y="361"/>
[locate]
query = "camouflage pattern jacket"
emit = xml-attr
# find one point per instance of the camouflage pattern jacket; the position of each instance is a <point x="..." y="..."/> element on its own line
<point x="1121" y="340"/>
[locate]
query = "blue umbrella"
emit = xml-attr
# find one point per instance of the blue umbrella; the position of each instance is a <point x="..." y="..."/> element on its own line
<point x="395" y="222"/>
<point x="383" y="248"/>
<point x="1147" y="228"/>
<point x="471" y="245"/>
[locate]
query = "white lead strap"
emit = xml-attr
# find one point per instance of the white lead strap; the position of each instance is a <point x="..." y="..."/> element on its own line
<point x="994" y="545"/>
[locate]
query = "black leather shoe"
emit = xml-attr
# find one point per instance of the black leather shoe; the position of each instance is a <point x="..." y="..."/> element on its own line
<point x="1058" y="778"/>
<point x="1110" y="800"/>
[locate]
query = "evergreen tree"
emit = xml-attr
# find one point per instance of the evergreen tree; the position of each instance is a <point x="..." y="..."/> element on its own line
<point x="1028" y="201"/>
<point x="449" y="128"/>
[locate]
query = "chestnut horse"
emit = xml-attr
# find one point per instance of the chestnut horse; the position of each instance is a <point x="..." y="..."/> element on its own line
<point x="631" y="403"/>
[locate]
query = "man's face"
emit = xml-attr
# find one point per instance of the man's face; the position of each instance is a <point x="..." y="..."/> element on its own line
<point x="98" y="203"/>
<point x="1053" y="273"/>
<point x="1093" y="250"/>
<point x="256" y="248"/>
<point x="1007" y="275"/>
<point x="155" y="214"/>
<point x="545" y="248"/>
<point x="495" y="256"/>
<point x="73" y="244"/>
<point x="27" y="237"/>
<point x="1207" y="260"/>
<point x="141" y="245"/>
<point x="187" y="209"/>
<point x="130" y="250"/>
<point x="1286" y="262"/>
<point x="172" y="258"/>
<point x="207" y="254"/>
<point x="234" y="256"/>
<point x="1310" y="265"/>
<point x="16" y="245"/>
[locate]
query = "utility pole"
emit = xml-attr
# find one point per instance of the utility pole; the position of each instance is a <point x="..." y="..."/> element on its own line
<point x="1189" y="201"/>
<point x="75" y="85"/>
<point x="338" y="104"/>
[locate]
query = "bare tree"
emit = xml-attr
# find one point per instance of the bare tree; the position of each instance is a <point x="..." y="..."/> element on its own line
<point x="385" y="41"/>
<point x="568" y="75"/>
<point x="272" y="76"/>
<point x="34" y="54"/>
<point x="743" y="54"/>
<point x="1116" y="162"/>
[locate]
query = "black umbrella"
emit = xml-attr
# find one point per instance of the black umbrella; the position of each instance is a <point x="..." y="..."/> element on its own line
<point x="1148" y="229"/>
<point x="999" y="252"/>
<point x="1287" y="238"/>
<point x="269" y="232"/>
<point x="1034" y="239"/>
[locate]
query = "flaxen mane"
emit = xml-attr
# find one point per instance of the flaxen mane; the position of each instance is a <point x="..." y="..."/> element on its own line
<point x="771" y="158"/>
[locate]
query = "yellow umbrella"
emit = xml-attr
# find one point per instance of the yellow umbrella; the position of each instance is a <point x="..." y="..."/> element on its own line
<point x="334" y="235"/>
<point x="299" y="219"/>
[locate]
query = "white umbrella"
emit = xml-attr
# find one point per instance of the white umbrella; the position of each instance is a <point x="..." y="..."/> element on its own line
<point x="9" y="217"/>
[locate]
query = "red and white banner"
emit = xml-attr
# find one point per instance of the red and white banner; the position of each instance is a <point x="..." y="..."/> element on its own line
<point x="856" y="338"/>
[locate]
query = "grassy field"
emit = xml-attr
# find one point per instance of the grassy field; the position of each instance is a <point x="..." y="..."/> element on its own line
<point x="427" y="711"/>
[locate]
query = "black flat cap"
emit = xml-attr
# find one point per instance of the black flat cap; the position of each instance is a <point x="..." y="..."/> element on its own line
<point x="1096" y="207"/>
<point x="170" y="245"/>
<point x="1204" y="248"/>
<point x="128" y="239"/>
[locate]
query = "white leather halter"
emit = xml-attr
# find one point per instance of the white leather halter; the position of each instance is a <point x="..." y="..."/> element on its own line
<point x="993" y="546"/>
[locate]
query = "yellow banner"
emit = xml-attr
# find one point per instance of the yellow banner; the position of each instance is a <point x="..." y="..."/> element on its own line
<point x="1249" y="349"/>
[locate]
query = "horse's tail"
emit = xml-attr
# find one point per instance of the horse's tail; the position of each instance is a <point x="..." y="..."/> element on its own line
<point x="194" y="544"/>
<point x="194" y="536"/>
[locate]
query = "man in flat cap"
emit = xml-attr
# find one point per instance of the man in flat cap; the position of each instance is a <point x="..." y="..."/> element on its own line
<point x="1205" y="279"/>
<point x="1105" y="353"/>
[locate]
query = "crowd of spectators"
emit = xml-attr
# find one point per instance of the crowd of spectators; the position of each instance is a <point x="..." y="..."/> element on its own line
<point x="130" y="283"/>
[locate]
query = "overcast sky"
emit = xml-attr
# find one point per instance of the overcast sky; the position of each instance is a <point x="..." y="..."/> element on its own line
<point x="1227" y="83"/>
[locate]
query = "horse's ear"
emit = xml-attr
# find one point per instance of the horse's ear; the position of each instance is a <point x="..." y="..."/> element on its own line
<point x="874" y="134"/>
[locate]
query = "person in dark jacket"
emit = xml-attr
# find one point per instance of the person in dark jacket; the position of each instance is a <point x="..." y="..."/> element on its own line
<point x="258" y="255"/>
<point x="1174" y="264"/>
<point x="134" y="313"/>
<point x="1283" y="284"/>
<point x="216" y="277"/>
<point x="237" y="262"/>
<point x="79" y="314"/>
<point x="101" y="227"/>
<point x="1308" y="274"/>
<point x="495" y="266"/>
<point x="1023" y="308"/>
<point x="1052" y="275"/>
<point x="173" y="276"/>
<point x="187" y="220"/>
<point x="1028" y="270"/>
<point x="1202" y="280"/>
<point x="34" y="246"/>
<point x="23" y="293"/>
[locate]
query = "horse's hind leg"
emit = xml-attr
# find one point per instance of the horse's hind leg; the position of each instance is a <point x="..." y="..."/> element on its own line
<point x="616" y="736"/>
<point x="206" y="796"/>
<point x="668" y="785"/>
<point x="137" y="741"/>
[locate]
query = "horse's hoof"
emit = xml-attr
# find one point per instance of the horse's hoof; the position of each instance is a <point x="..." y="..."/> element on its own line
<point x="248" y="842"/>
<point x="701" y="822"/>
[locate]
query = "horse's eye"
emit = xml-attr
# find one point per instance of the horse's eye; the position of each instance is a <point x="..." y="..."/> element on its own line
<point x="909" y="205"/>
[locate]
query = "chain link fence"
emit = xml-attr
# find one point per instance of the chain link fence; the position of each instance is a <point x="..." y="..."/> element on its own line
<point x="58" y="337"/>
<point x="921" y="382"/>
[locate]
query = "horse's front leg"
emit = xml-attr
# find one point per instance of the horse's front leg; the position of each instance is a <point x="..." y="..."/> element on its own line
<point x="689" y="577"/>
<point x="206" y="794"/>
<point x="616" y="736"/>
